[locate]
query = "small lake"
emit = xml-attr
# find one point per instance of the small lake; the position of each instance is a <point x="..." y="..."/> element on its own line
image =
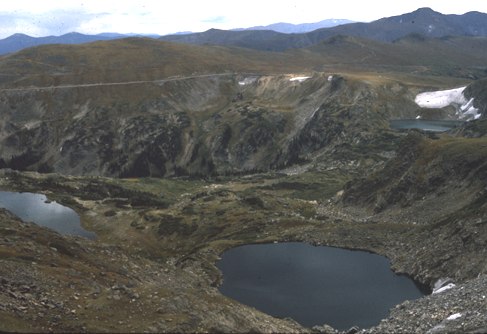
<point x="37" y="209"/>
<point x="425" y="125"/>
<point x="315" y="285"/>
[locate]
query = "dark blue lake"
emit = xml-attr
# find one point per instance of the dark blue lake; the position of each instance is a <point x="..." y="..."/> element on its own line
<point x="315" y="285"/>
<point x="426" y="125"/>
<point x="35" y="208"/>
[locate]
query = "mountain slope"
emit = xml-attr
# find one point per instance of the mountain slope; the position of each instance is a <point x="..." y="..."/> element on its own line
<point x="139" y="59"/>
<point x="266" y="40"/>
<point x="478" y="91"/>
<point x="129" y="59"/>
<point x="439" y="184"/>
<point x="448" y="52"/>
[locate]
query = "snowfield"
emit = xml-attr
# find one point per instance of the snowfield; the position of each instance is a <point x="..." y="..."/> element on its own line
<point x="247" y="81"/>
<point x="444" y="288"/>
<point x="444" y="98"/>
<point x="454" y="316"/>
<point x="299" y="79"/>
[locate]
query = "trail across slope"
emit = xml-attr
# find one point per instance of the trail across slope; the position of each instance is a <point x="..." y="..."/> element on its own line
<point x="100" y="84"/>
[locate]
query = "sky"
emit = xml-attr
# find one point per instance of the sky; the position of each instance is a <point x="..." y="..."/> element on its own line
<point x="53" y="17"/>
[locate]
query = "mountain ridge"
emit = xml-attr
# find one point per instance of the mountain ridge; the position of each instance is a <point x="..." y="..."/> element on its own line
<point x="19" y="41"/>
<point x="290" y="28"/>
<point x="424" y="21"/>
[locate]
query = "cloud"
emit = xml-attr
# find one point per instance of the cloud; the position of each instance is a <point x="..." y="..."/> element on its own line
<point x="61" y="22"/>
<point x="216" y="19"/>
<point x="55" y="22"/>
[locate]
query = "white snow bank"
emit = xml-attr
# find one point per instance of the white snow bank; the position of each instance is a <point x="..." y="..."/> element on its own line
<point x="440" y="328"/>
<point x="454" y="316"/>
<point x="441" y="98"/>
<point x="469" y="110"/>
<point x="300" y="79"/>
<point x="444" y="288"/>
<point x="444" y="98"/>
<point x="247" y="81"/>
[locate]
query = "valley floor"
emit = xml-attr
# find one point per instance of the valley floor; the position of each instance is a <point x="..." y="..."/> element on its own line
<point x="152" y="267"/>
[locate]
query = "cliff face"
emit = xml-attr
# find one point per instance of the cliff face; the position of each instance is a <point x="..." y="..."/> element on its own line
<point x="189" y="126"/>
<point x="478" y="91"/>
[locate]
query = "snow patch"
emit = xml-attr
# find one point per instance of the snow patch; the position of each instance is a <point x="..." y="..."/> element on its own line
<point x="418" y="117"/>
<point x="454" y="316"/>
<point x="444" y="98"/>
<point x="443" y="284"/>
<point x="246" y="81"/>
<point x="299" y="79"/>
<point x="444" y="288"/>
<point x="441" y="98"/>
<point x="440" y="328"/>
<point x="469" y="110"/>
<point x="330" y="78"/>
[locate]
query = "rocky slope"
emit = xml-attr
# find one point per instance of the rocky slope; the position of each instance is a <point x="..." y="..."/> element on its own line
<point x="478" y="91"/>
<point x="205" y="125"/>
<point x="440" y="185"/>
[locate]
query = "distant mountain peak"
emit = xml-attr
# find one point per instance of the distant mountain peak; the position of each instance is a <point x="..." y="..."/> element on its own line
<point x="19" y="35"/>
<point x="290" y="28"/>
<point x="425" y="10"/>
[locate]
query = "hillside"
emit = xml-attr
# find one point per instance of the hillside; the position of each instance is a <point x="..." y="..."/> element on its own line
<point x="451" y="56"/>
<point x="478" y="90"/>
<point x="437" y="183"/>
<point x="135" y="59"/>
<point x="128" y="59"/>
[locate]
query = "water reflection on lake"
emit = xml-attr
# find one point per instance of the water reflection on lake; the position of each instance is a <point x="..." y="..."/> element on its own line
<point x="425" y="125"/>
<point x="314" y="285"/>
<point x="33" y="207"/>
